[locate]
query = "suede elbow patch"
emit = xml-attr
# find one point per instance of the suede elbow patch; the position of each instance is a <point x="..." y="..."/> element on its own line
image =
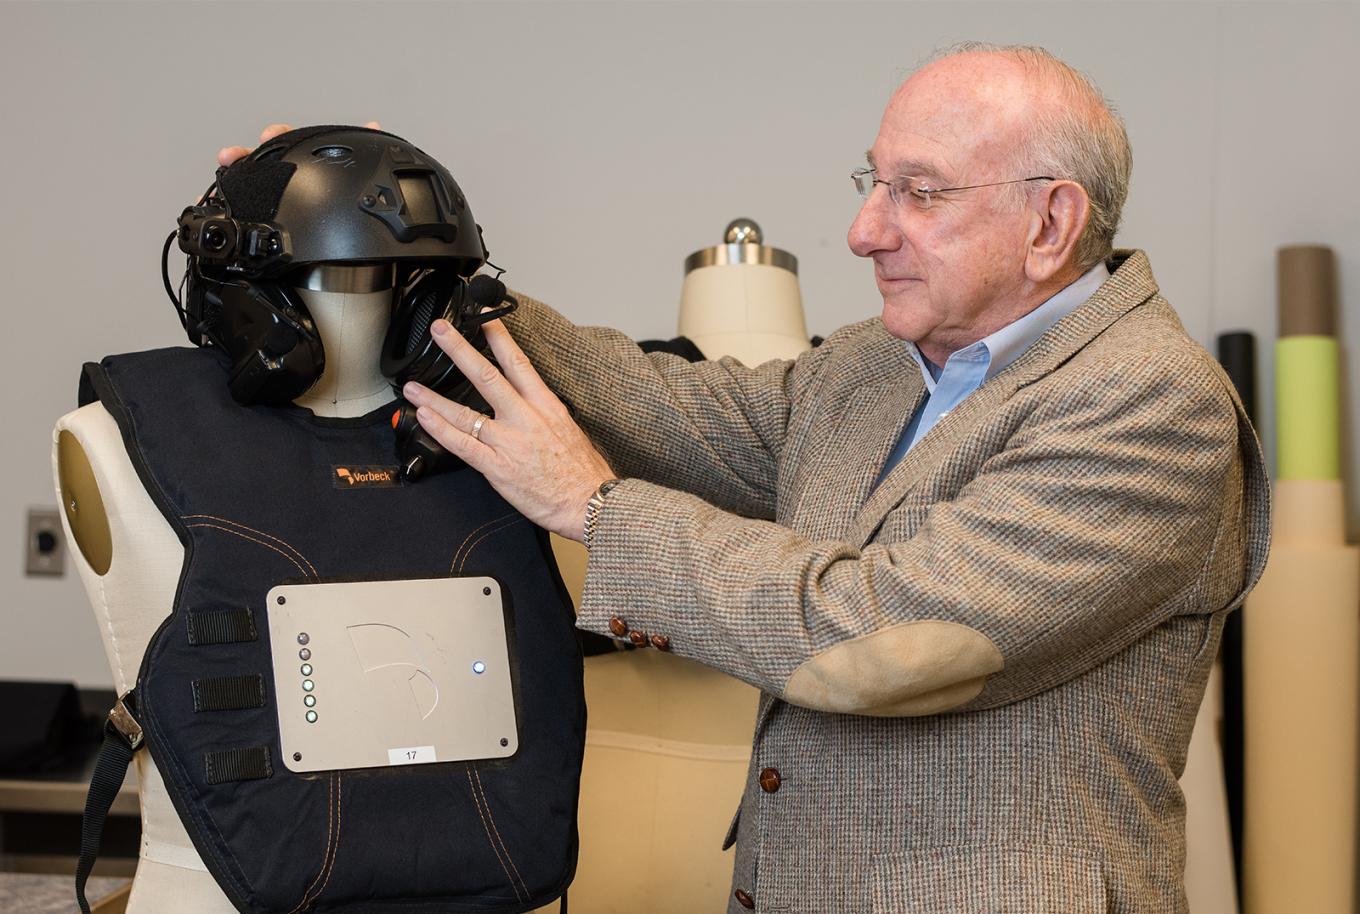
<point x="906" y="670"/>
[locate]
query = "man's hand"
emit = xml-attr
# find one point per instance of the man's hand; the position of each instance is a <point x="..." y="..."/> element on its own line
<point x="228" y="154"/>
<point x="532" y="452"/>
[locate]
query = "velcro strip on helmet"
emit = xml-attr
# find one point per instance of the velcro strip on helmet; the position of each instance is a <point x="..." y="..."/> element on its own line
<point x="238" y="765"/>
<point x="254" y="187"/>
<point x="221" y="626"/>
<point x="229" y="693"/>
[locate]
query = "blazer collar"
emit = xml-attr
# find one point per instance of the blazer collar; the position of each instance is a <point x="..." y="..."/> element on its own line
<point x="1130" y="284"/>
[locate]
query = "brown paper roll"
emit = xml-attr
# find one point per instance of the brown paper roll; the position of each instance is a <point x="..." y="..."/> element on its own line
<point x="1307" y="290"/>
<point x="1302" y="697"/>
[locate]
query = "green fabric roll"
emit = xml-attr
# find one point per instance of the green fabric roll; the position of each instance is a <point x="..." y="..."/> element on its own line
<point x="1308" y="408"/>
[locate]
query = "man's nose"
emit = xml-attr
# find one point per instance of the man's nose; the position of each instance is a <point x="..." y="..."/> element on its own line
<point x="874" y="228"/>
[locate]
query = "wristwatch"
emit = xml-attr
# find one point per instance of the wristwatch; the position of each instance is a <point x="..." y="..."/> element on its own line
<point x="593" y="506"/>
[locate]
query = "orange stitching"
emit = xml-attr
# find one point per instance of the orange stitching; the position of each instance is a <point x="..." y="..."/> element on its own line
<point x="330" y="823"/>
<point x="276" y="539"/>
<point x="492" y="817"/>
<point x="470" y="549"/>
<point x="339" y="818"/>
<point x="301" y="570"/>
<point x="453" y="564"/>
<point x="473" y="790"/>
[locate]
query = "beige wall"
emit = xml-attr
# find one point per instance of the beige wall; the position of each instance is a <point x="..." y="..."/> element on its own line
<point x="598" y="145"/>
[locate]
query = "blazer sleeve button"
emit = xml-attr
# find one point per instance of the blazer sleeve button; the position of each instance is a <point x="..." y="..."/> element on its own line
<point x="770" y="780"/>
<point x="618" y="627"/>
<point x="661" y="642"/>
<point x="638" y="638"/>
<point x="746" y="901"/>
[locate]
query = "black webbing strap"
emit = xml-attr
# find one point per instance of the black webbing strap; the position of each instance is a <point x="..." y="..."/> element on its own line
<point x="122" y="737"/>
<point x="229" y="693"/>
<point x="221" y="626"/>
<point x="238" y="765"/>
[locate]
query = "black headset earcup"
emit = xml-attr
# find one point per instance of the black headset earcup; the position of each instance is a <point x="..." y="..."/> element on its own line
<point x="278" y="351"/>
<point x="409" y="351"/>
<point x="422" y="316"/>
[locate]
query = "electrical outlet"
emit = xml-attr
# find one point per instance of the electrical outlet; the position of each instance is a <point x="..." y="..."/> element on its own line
<point x="46" y="543"/>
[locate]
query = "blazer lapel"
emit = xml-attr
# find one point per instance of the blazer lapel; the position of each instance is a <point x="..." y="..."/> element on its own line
<point x="877" y="415"/>
<point x="1130" y="285"/>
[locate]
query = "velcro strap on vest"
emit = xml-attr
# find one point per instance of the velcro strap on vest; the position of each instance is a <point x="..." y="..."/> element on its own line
<point x="221" y="626"/>
<point x="229" y="693"/>
<point x="238" y="765"/>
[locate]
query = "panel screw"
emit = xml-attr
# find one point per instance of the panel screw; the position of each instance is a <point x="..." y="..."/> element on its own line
<point x="297" y="756"/>
<point x="504" y="741"/>
<point x="486" y="591"/>
<point x="281" y="600"/>
<point x="368" y="200"/>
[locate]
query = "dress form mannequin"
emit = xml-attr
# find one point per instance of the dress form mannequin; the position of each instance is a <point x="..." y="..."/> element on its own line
<point x="668" y="742"/>
<point x="129" y="558"/>
<point x="741" y="299"/>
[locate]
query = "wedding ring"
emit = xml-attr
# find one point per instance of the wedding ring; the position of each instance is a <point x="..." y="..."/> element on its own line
<point x="477" y="426"/>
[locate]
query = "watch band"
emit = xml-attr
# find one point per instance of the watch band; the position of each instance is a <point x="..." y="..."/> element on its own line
<point x="593" y="505"/>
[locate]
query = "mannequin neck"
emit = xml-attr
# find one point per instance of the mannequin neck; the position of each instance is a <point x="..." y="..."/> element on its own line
<point x="752" y="312"/>
<point x="352" y="326"/>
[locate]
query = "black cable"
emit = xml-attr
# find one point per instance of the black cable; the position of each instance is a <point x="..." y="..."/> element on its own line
<point x="165" y="278"/>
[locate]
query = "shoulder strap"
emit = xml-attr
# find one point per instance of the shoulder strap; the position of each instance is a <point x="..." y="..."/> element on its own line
<point x="122" y="739"/>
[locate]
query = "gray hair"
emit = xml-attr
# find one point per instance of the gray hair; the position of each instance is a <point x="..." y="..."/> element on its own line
<point x="1082" y="140"/>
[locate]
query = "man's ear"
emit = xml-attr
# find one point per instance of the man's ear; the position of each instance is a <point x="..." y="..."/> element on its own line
<point x="1058" y="215"/>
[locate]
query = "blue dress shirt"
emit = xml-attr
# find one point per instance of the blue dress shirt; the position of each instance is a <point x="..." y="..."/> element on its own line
<point x="969" y="368"/>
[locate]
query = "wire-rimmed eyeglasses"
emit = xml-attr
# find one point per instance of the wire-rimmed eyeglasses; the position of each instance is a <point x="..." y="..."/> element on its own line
<point x="918" y="190"/>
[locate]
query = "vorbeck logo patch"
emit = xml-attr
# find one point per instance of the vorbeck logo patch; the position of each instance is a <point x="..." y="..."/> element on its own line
<point x="366" y="477"/>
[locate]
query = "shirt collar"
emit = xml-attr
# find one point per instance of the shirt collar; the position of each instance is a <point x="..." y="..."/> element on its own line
<point x="1004" y="346"/>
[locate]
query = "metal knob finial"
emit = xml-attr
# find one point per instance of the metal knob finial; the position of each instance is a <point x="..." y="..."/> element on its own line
<point x="743" y="243"/>
<point x="742" y="231"/>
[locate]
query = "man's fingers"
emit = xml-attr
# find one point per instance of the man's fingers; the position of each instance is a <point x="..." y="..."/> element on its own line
<point x="229" y="154"/>
<point x="461" y="417"/>
<point x="456" y="441"/>
<point x="488" y="380"/>
<point x="373" y="125"/>
<point x="516" y="365"/>
<point x="272" y="131"/>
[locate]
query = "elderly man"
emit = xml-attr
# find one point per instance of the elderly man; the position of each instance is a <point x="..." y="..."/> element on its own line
<point x="976" y="553"/>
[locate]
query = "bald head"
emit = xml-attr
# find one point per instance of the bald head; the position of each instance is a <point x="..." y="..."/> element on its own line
<point x="1030" y="111"/>
<point x="972" y="105"/>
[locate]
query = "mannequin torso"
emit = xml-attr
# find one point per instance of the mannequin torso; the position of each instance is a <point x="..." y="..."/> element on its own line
<point x="750" y="311"/>
<point x="132" y="589"/>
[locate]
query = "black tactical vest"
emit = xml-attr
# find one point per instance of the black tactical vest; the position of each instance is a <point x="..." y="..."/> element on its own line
<point x="264" y="495"/>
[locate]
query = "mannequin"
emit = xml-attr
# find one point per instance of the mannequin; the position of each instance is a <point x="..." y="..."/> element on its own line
<point x="142" y="558"/>
<point x="668" y="742"/>
<point x="741" y="299"/>
<point x="129" y="558"/>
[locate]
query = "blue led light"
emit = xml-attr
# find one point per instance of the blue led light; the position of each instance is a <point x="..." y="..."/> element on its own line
<point x="479" y="668"/>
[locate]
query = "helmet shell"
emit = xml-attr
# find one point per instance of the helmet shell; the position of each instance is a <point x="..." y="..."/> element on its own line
<point x="347" y="194"/>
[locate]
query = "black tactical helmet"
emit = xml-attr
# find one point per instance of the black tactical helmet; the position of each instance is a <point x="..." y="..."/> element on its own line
<point x="330" y="195"/>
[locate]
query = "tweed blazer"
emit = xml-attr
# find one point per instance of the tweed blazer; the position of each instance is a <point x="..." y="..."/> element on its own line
<point x="979" y="678"/>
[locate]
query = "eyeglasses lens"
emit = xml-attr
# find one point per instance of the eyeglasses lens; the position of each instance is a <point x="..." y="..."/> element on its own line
<point x="864" y="182"/>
